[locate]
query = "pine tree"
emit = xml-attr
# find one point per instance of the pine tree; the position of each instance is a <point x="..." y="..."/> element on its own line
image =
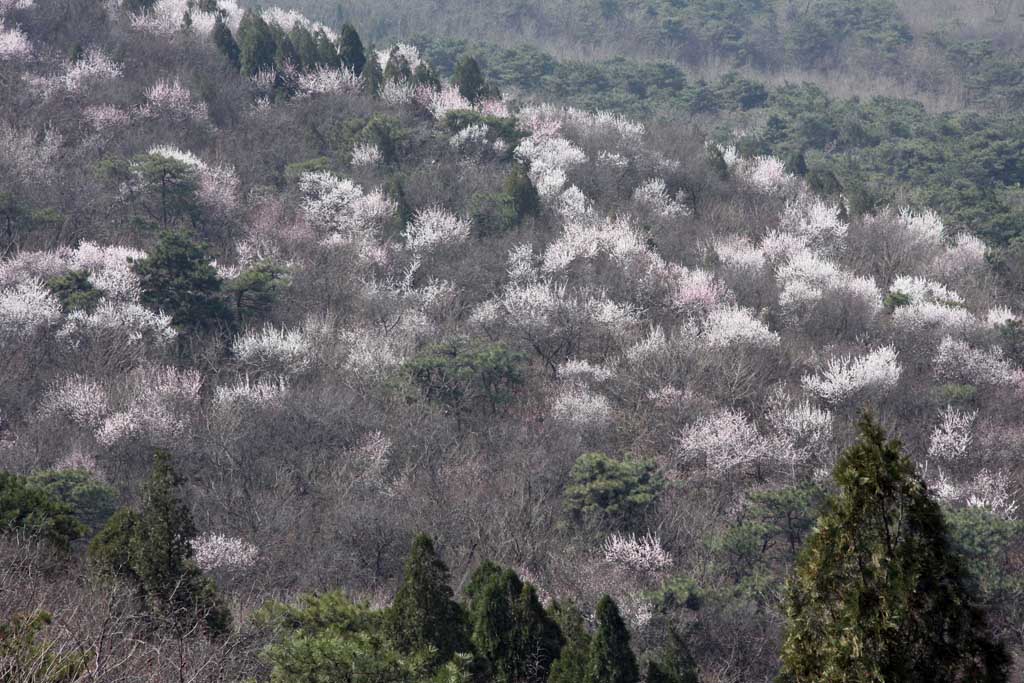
<point x="177" y="278"/>
<point x="469" y="79"/>
<point x="878" y="595"/>
<point x="571" y="665"/>
<point x="611" y="659"/>
<point x="225" y="42"/>
<point x="350" y="49"/>
<point x="256" y="44"/>
<point x="424" y="614"/>
<point x="511" y="630"/>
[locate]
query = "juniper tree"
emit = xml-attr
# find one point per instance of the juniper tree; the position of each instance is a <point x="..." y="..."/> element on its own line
<point x="878" y="595"/>
<point x="424" y="614"/>
<point x="350" y="49"/>
<point x="571" y="665"/>
<point x="611" y="660"/>
<point x="305" y="46"/>
<point x="225" y="42"/>
<point x="468" y="79"/>
<point x="510" y="628"/>
<point x="256" y="44"/>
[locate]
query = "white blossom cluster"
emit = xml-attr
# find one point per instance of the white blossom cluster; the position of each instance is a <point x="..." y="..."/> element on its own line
<point x="75" y="76"/>
<point x="365" y="154"/>
<point x="929" y="320"/>
<point x="340" y="209"/>
<point x="106" y="117"/>
<point x="25" y="309"/>
<point x="549" y="159"/>
<point x="847" y="376"/>
<point x="987" y="490"/>
<point x="579" y="370"/>
<point x="433" y="228"/>
<point x="998" y="316"/>
<point x="959" y="362"/>
<point x="173" y="100"/>
<point x="952" y="438"/>
<point x="27" y="157"/>
<point x="216" y="551"/>
<point x="327" y="81"/>
<point x="263" y="392"/>
<point x="545" y="120"/>
<point x="588" y="237"/>
<point x="739" y="255"/>
<point x="653" y="195"/>
<point x="766" y="174"/>
<point x="14" y="44"/>
<point x="77" y="398"/>
<point x="408" y="52"/>
<point x="576" y="404"/>
<point x="440" y="102"/>
<point x="121" y="324"/>
<point x="805" y="427"/>
<point x="274" y="350"/>
<point x="814" y="220"/>
<point x="644" y="554"/>
<point x="806" y="278"/>
<point x="723" y="441"/>
<point x="923" y="290"/>
<point x="733" y="326"/>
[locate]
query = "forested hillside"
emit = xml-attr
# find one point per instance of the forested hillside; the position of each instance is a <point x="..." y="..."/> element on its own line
<point x="562" y="342"/>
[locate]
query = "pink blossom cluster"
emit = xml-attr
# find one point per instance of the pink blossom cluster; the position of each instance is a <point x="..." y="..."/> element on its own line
<point x="440" y="102"/>
<point x="14" y="44"/>
<point x="174" y="101"/>
<point x="653" y="195"/>
<point x="106" y="117"/>
<point x="75" y="76"/>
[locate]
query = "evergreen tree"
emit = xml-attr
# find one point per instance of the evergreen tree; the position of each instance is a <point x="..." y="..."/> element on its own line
<point x="611" y="659"/>
<point x="327" y="53"/>
<point x="878" y="595"/>
<point x="571" y="665"/>
<point x="305" y="47"/>
<point x="423" y="614"/>
<point x="177" y="278"/>
<point x="425" y="75"/>
<point x="674" y="665"/>
<point x="519" y="187"/>
<point x="25" y="508"/>
<point x="350" y="49"/>
<point x="510" y="628"/>
<point x="469" y="79"/>
<point x="397" y="69"/>
<point x="286" y="56"/>
<point x="373" y="76"/>
<point x="256" y="44"/>
<point x="225" y="42"/>
<point x="153" y="550"/>
<point x="74" y="291"/>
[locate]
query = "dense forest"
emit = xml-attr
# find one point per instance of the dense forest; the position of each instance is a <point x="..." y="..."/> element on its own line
<point x="599" y="341"/>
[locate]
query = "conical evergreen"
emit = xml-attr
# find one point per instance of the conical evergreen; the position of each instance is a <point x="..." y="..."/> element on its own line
<point x="511" y="630"/>
<point x="519" y="187"/>
<point x="397" y="69"/>
<point x="225" y="42"/>
<point x="469" y="79"/>
<point x="327" y="53"/>
<point x="571" y="665"/>
<point x="256" y="44"/>
<point x="305" y="47"/>
<point x="350" y="49"/>
<point x="373" y="76"/>
<point x="878" y="595"/>
<point x="611" y="659"/>
<point x="424" y="614"/>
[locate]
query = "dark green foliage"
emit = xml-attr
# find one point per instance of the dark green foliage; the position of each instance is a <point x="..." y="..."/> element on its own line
<point x="492" y="214"/>
<point x="511" y="631"/>
<point x="152" y="550"/>
<point x="469" y="79"/>
<point x="26" y="658"/>
<point x="350" y="49"/>
<point x="879" y="594"/>
<point x="137" y="6"/>
<point x="674" y="664"/>
<point x="611" y="493"/>
<point x="506" y="129"/>
<point x="92" y="501"/>
<point x="827" y="30"/>
<point x="170" y="187"/>
<point x="397" y="69"/>
<point x="74" y="291"/>
<point x="177" y="278"/>
<point x="327" y="53"/>
<point x="522" y="192"/>
<point x="611" y="659"/>
<point x="294" y="172"/>
<point x="467" y="376"/>
<point x="256" y="44"/>
<point x="285" y="53"/>
<point x="386" y="133"/>
<point x="424" y="615"/>
<point x="328" y="638"/>
<point x="571" y="665"/>
<point x="373" y="76"/>
<point x="255" y="289"/>
<point x="425" y="75"/>
<point x="31" y="510"/>
<point x="225" y="42"/>
<point x="305" y="47"/>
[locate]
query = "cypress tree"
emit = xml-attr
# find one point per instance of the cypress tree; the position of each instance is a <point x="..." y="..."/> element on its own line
<point x="350" y="49"/>
<point x="425" y="75"/>
<point x="878" y="594"/>
<point x="327" y="54"/>
<point x="256" y="44"/>
<point x="571" y="665"/>
<point x="469" y="79"/>
<point x="285" y="54"/>
<point x="373" y="76"/>
<point x="424" y="614"/>
<point x="225" y="42"/>
<point x="305" y="47"/>
<point x="397" y="69"/>
<point x="519" y="187"/>
<point x="611" y="659"/>
<point x="511" y="630"/>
